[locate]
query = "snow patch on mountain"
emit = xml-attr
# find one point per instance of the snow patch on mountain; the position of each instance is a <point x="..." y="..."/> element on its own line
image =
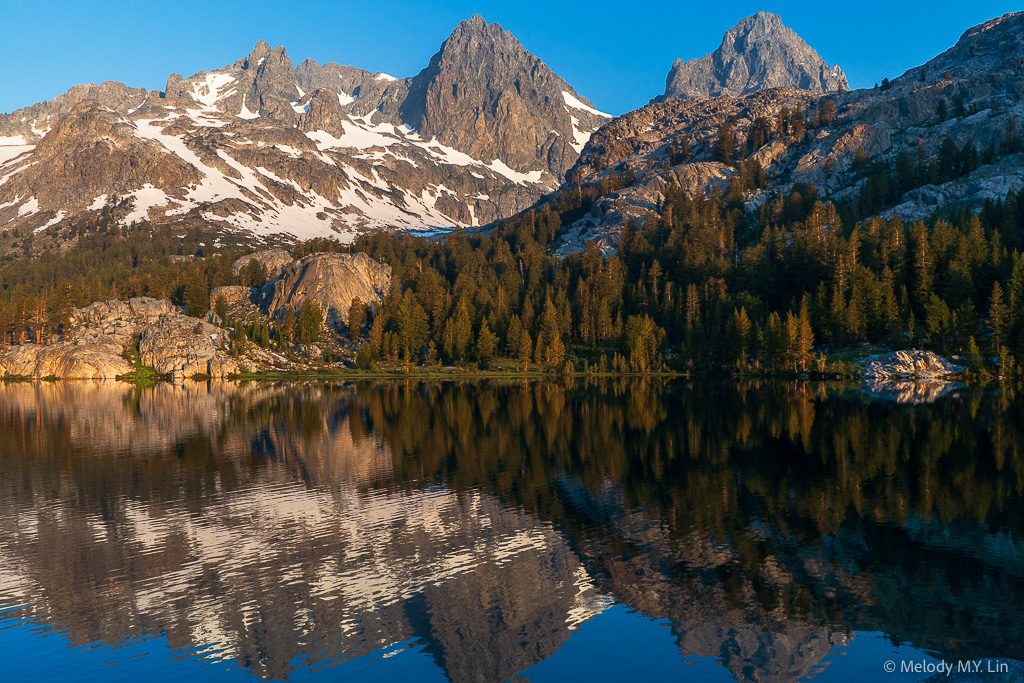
<point x="210" y="90"/>
<point x="11" y="152"/>
<point x="576" y="104"/>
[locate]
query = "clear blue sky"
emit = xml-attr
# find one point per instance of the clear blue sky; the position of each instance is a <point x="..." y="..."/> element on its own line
<point x="616" y="53"/>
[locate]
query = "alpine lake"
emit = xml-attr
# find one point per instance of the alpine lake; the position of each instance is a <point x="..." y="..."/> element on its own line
<point x="479" y="531"/>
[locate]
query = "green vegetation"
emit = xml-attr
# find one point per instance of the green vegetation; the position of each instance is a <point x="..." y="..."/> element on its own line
<point x="701" y="285"/>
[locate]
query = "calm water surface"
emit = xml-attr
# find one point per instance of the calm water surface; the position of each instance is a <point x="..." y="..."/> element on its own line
<point x="488" y="532"/>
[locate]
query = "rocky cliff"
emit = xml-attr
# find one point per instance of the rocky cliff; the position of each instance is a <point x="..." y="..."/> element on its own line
<point x="331" y="281"/>
<point x="756" y="54"/>
<point x="267" y="148"/>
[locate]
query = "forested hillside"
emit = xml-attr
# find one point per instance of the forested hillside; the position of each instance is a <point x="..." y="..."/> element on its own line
<point x="700" y="285"/>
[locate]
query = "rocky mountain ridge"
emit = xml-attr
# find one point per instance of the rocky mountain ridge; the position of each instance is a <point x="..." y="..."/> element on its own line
<point x="756" y="54"/>
<point x="970" y="97"/>
<point x="268" y="148"/>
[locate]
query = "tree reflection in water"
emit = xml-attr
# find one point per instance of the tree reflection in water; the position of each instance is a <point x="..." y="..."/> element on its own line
<point x="766" y="521"/>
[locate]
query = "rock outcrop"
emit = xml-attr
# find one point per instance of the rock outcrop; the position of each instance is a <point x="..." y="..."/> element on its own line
<point x="99" y="335"/>
<point x="64" y="361"/>
<point x="756" y="54"/>
<point x="275" y="261"/>
<point x="181" y="347"/>
<point x="331" y="281"/>
<point x="232" y="294"/>
<point x="908" y="364"/>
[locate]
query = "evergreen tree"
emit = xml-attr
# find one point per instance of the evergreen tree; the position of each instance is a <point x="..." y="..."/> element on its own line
<point x="356" y="318"/>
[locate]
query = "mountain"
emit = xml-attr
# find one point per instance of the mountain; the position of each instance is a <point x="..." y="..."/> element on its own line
<point x="268" y="148"/>
<point x="485" y="94"/>
<point x="757" y="53"/>
<point x="943" y="136"/>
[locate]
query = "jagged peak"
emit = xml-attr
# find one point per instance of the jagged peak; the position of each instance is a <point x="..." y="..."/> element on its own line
<point x="758" y="52"/>
<point x="258" y="53"/>
<point x="474" y="23"/>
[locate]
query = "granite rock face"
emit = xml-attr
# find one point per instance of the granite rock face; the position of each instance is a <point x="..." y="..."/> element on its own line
<point x="232" y="294"/>
<point x="65" y="361"/>
<point x="756" y="54"/>
<point x="181" y="347"/>
<point x="331" y="281"/>
<point x="275" y="260"/>
<point x="908" y="364"/>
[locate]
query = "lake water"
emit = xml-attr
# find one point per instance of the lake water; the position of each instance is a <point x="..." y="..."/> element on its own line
<point x="624" y="530"/>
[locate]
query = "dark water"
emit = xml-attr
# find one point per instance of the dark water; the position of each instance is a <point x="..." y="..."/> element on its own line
<point x="487" y="532"/>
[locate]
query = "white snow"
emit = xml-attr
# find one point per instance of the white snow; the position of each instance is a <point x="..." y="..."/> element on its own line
<point x="145" y="198"/>
<point x="57" y="218"/>
<point x="245" y="113"/>
<point x="576" y="104"/>
<point x="10" y="152"/>
<point x="344" y="98"/>
<point x="98" y="203"/>
<point x="519" y="178"/>
<point x="359" y="133"/>
<point x="29" y="207"/>
<point x="580" y="138"/>
<point x="203" y="118"/>
<point x="208" y="92"/>
<point x="40" y="131"/>
<point x="356" y="206"/>
<point x="300" y="108"/>
<point x="381" y="76"/>
<point x="355" y="135"/>
<point x="290" y="151"/>
<point x="10" y="141"/>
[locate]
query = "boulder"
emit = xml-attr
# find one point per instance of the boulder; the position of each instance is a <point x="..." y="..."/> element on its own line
<point x="331" y="281"/>
<point x="276" y="260"/>
<point x="907" y="364"/>
<point x="66" y="361"/>
<point x="182" y="346"/>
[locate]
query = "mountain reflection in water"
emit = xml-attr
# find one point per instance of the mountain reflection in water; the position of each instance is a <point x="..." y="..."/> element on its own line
<point x="281" y="526"/>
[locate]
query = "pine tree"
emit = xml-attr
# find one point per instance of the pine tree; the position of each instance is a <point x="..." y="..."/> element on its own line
<point x="486" y="342"/>
<point x="197" y="294"/>
<point x="997" y="318"/>
<point x="356" y="318"/>
<point x="309" y="322"/>
<point x="805" y="334"/>
<point x="725" y="145"/>
<point x="525" y="349"/>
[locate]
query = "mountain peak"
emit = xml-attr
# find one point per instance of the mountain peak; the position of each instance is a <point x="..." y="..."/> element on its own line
<point x="485" y="94"/>
<point x="258" y="54"/>
<point x="475" y="22"/>
<point x="757" y="53"/>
